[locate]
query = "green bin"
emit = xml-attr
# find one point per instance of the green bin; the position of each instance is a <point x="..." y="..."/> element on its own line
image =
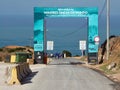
<point x="21" y="57"/>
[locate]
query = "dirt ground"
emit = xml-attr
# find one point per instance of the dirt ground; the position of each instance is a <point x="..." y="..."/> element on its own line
<point x="113" y="77"/>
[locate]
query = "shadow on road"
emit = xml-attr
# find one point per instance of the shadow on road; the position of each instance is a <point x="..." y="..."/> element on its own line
<point x="67" y="63"/>
<point x="28" y="78"/>
<point x="76" y="63"/>
<point x="116" y="86"/>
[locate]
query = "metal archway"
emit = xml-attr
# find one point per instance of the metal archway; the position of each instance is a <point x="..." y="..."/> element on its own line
<point x="41" y="12"/>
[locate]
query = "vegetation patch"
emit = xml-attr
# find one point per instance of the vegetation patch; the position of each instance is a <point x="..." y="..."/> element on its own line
<point x="106" y="70"/>
<point x="1" y="49"/>
<point x="1" y="59"/>
<point x="68" y="53"/>
<point x="16" y="49"/>
<point x="83" y="58"/>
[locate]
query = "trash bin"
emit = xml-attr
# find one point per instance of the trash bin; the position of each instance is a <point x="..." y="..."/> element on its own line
<point x="21" y="57"/>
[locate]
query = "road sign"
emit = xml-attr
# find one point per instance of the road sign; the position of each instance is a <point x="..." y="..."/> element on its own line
<point x="97" y="39"/>
<point x="82" y="45"/>
<point x="97" y="43"/>
<point x="50" y="45"/>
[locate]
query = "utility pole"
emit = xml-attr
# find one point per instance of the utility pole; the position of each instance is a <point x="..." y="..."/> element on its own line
<point x="45" y="38"/>
<point x="108" y="27"/>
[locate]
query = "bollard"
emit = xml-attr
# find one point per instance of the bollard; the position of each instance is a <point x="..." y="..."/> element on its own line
<point x="21" y="71"/>
<point x="12" y="79"/>
<point x="28" y="68"/>
<point x="19" y="76"/>
<point x="15" y="74"/>
<point x="24" y="69"/>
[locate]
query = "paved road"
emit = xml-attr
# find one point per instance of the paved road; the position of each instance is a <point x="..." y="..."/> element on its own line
<point x="64" y="74"/>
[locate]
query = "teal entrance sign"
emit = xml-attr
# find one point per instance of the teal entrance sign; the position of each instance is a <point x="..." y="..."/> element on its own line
<point x="41" y="12"/>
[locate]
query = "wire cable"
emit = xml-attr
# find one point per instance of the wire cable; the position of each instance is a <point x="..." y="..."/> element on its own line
<point x="82" y="26"/>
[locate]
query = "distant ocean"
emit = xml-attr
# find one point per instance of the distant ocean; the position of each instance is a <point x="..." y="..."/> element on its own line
<point x="66" y="34"/>
<point x="68" y="39"/>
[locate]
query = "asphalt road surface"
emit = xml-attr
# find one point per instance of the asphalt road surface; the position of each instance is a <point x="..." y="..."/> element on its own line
<point x="64" y="74"/>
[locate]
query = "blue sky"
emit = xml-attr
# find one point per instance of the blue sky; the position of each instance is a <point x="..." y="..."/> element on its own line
<point x="16" y="16"/>
<point x="25" y="7"/>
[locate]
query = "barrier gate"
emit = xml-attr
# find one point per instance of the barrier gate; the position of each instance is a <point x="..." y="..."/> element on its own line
<point x="41" y="12"/>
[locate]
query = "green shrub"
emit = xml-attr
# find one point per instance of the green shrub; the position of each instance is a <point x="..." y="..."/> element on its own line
<point x="1" y="49"/>
<point x="68" y="54"/>
<point x="29" y="47"/>
<point x="0" y="58"/>
<point x="20" y="49"/>
<point x="16" y="49"/>
<point x="76" y="55"/>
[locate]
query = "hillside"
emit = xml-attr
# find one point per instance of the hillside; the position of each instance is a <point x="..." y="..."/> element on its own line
<point x="110" y="67"/>
<point x="8" y="50"/>
<point x="114" y="51"/>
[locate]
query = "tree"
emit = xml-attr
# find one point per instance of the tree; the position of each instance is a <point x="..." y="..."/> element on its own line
<point x="68" y="54"/>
